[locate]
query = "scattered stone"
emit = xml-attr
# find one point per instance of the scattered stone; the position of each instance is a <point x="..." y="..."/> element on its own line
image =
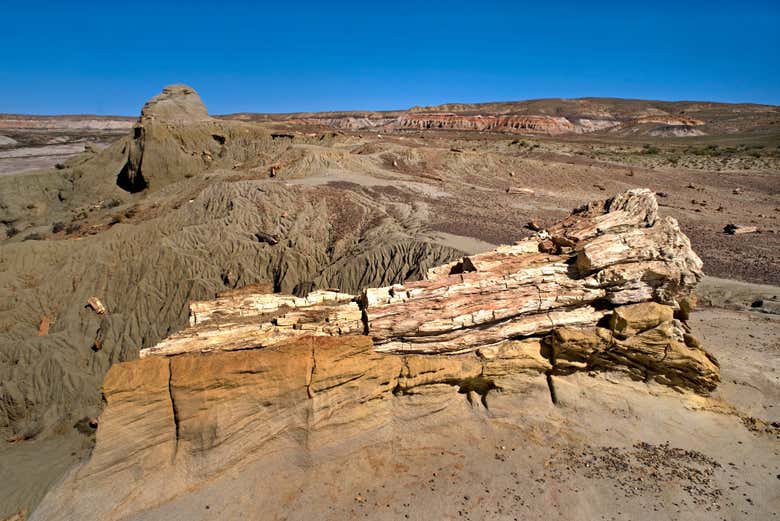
<point x="521" y="191"/>
<point x="738" y="229"/>
<point x="533" y="226"/>
<point x="97" y="345"/>
<point x="266" y="238"/>
<point x="43" y="326"/>
<point x="96" y="305"/>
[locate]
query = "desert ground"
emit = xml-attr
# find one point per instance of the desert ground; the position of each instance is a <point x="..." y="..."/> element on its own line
<point x="191" y="206"/>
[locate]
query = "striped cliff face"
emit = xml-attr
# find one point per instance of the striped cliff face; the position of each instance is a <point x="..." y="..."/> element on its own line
<point x="525" y="124"/>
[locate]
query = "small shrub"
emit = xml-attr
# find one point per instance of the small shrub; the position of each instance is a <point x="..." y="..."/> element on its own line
<point x="111" y="203"/>
<point x="57" y="227"/>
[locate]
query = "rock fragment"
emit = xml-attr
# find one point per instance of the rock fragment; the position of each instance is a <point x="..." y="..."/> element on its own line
<point x="738" y="229"/>
<point x="44" y="325"/>
<point x="96" y="305"/>
<point x="636" y="318"/>
<point x="519" y="191"/>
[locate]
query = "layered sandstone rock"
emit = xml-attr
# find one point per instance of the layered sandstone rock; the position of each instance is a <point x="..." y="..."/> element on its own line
<point x="670" y="120"/>
<point x="173" y="425"/>
<point x="524" y="124"/>
<point x="256" y="373"/>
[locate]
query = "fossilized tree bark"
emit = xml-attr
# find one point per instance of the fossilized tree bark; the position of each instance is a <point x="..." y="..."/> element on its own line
<point x="605" y="255"/>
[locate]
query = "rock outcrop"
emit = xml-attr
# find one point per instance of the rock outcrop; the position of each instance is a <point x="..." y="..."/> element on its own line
<point x="175" y="137"/>
<point x="522" y="124"/>
<point x="258" y="373"/>
<point x="613" y="262"/>
<point x="669" y="120"/>
<point x="176" y="103"/>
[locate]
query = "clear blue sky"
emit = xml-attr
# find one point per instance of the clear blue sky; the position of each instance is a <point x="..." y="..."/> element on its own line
<point x="108" y="57"/>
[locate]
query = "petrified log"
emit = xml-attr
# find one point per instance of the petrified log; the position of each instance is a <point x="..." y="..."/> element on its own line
<point x="605" y="255"/>
<point x="738" y="229"/>
<point x="96" y="305"/>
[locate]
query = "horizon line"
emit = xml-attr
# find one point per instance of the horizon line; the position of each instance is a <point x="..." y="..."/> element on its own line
<point x="475" y="103"/>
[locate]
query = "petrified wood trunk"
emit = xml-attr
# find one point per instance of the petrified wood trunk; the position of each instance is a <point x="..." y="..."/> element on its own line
<point x="571" y="277"/>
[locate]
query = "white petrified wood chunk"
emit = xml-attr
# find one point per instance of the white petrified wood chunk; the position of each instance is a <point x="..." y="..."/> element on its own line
<point x="608" y="253"/>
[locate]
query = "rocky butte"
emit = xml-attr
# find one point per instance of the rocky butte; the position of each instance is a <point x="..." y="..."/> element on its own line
<point x="256" y="376"/>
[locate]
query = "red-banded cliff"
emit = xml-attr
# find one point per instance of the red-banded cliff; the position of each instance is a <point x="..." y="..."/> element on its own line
<point x="451" y="121"/>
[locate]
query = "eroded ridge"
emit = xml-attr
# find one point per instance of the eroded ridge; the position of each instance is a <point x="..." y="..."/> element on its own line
<point x="609" y="287"/>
